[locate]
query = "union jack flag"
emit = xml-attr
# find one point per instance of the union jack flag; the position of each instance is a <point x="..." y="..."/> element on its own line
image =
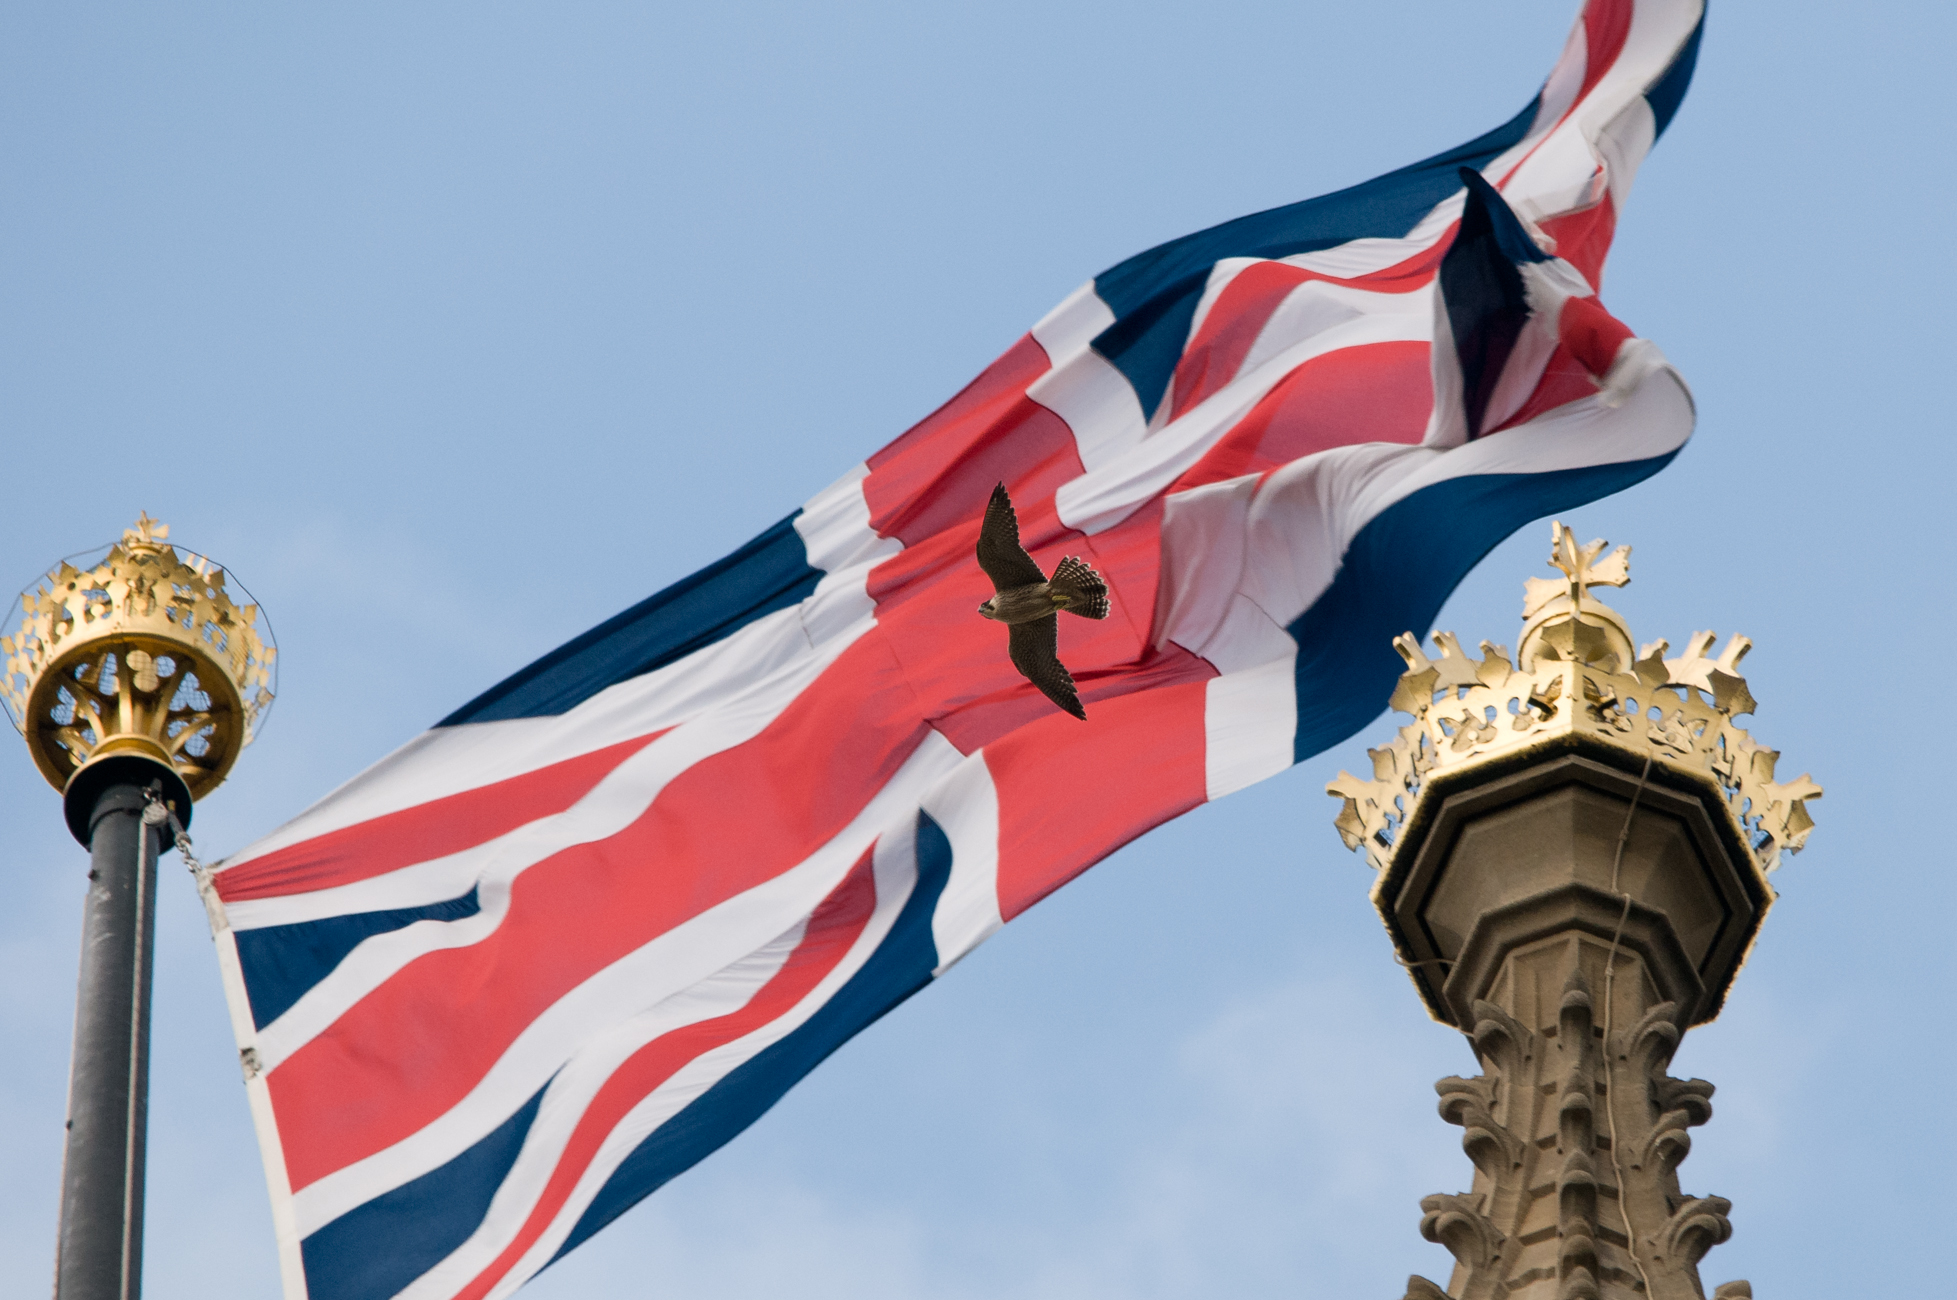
<point x="554" y="951"/>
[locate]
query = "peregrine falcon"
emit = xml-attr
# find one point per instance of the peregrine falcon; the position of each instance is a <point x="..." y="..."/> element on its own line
<point x="1028" y="604"/>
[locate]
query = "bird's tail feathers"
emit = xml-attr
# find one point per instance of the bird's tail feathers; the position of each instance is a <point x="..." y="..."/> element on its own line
<point x="1081" y="590"/>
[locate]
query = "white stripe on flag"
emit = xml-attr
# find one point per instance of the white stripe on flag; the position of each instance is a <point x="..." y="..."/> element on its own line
<point x="1362" y="257"/>
<point x="966" y="808"/>
<point x="1220" y="278"/>
<point x="1082" y="387"/>
<point x="1250" y="722"/>
<point x="1559" y="92"/>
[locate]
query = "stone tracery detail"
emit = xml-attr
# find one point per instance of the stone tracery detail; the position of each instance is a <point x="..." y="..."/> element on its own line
<point x="1546" y="1215"/>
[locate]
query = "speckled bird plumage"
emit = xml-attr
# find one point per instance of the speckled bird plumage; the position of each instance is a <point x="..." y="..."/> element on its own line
<point x="1029" y="603"/>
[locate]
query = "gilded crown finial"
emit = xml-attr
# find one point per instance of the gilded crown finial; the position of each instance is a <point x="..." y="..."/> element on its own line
<point x="1581" y="568"/>
<point x="144" y="652"/>
<point x="1575" y="676"/>
<point x="1565" y="620"/>
<point x="146" y="532"/>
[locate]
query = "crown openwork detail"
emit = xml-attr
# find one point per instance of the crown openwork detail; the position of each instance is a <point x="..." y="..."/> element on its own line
<point x="1575" y="675"/>
<point x="143" y="652"/>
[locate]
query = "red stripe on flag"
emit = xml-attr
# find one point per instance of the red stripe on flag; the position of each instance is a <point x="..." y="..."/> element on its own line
<point x="1592" y="334"/>
<point x="426" y="831"/>
<point x="1375" y="392"/>
<point x="1246" y="305"/>
<point x="1235" y="319"/>
<point x="1583" y="238"/>
<point x="1605" y="25"/>
<point x="1070" y="793"/>
<point x="415" y="1046"/>
<point x="832" y="930"/>
<point x="940" y="473"/>
<point x="1564" y="380"/>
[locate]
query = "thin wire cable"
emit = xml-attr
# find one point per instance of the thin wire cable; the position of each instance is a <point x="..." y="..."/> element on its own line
<point x="1610" y="1058"/>
<point x="1413" y="968"/>
<point x="129" y="1276"/>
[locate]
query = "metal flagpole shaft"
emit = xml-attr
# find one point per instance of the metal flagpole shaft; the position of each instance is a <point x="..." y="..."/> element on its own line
<point x="100" y="1251"/>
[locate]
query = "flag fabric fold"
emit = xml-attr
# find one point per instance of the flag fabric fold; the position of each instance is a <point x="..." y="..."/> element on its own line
<point x="554" y="951"/>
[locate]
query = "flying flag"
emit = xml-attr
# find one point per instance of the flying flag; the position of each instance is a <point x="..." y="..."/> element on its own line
<point x="517" y="975"/>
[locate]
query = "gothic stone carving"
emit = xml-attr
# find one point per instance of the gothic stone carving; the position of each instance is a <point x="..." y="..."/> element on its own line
<point x="1576" y="1139"/>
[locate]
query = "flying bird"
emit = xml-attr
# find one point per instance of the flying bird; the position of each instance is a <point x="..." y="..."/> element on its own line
<point x="1029" y="604"/>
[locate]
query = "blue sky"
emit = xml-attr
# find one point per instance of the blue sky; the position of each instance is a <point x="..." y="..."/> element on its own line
<point x="457" y="328"/>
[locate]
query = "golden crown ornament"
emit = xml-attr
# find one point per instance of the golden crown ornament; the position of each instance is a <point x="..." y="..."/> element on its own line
<point x="1575" y="680"/>
<point x="143" y="654"/>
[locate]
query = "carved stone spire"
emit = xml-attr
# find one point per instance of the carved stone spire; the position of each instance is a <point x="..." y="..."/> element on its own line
<point x="1576" y="1133"/>
<point x="1573" y="849"/>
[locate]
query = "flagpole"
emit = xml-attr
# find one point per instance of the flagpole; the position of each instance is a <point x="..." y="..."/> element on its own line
<point x="100" y="1248"/>
<point x="135" y="681"/>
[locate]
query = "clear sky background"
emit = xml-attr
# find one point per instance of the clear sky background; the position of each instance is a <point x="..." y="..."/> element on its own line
<point x="457" y="328"/>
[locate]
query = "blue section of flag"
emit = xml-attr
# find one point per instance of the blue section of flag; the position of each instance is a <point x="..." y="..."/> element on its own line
<point x="1154" y="295"/>
<point x="280" y="962"/>
<point x="374" y="1250"/>
<point x="1479" y="282"/>
<point x="1668" y="92"/>
<point x="1400" y="569"/>
<point x="1487" y="215"/>
<point x="901" y="965"/>
<point x="770" y="573"/>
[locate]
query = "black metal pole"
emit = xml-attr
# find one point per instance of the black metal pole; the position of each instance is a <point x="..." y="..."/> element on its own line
<point x="100" y="1253"/>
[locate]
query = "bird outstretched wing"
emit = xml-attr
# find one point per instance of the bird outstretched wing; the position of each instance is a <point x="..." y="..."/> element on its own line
<point x="1078" y="589"/>
<point x="1004" y="560"/>
<point x="1036" y="653"/>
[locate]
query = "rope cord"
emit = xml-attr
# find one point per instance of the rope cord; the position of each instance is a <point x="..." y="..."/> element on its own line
<point x="1610" y="1057"/>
